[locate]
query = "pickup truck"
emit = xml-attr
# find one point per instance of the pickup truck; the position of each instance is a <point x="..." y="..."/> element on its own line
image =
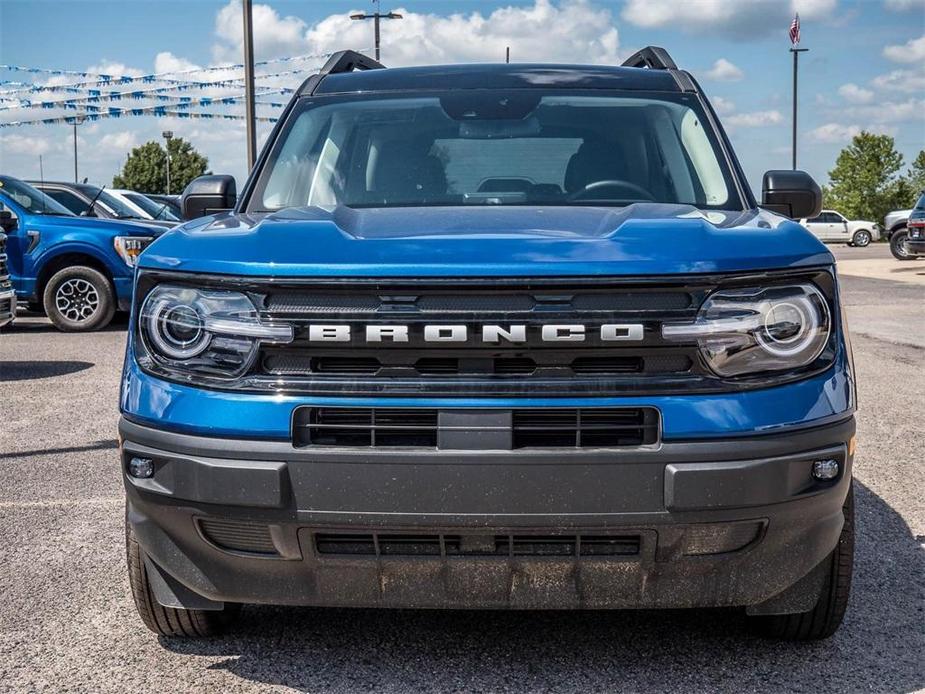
<point x="491" y="336"/>
<point x="77" y="270"/>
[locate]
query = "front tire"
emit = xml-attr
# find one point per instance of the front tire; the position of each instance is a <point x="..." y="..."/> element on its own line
<point x="824" y="619"/>
<point x="898" y="245"/>
<point x="861" y="238"/>
<point x="79" y="299"/>
<point x="170" y="621"/>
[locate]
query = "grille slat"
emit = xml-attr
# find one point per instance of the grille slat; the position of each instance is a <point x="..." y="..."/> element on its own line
<point x="530" y="427"/>
<point x="252" y="538"/>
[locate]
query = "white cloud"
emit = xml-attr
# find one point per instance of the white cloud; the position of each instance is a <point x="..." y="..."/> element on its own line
<point x="168" y="62"/>
<point x="724" y="71"/>
<point x="568" y="31"/>
<point x="903" y="5"/>
<point x="833" y="133"/>
<point x="15" y="143"/>
<point x="910" y="110"/>
<point x="913" y="51"/>
<point x="120" y="142"/>
<point x="855" y="94"/>
<point x="911" y="81"/>
<point x="722" y="105"/>
<point x="755" y="119"/>
<point x="741" y="19"/>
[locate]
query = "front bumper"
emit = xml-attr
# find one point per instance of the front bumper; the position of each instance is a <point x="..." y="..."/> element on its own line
<point x="7" y="307"/>
<point x="737" y="522"/>
<point x="915" y="240"/>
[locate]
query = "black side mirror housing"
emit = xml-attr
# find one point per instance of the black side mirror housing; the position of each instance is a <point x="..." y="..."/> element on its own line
<point x="7" y="222"/>
<point x="207" y="195"/>
<point x="793" y="194"/>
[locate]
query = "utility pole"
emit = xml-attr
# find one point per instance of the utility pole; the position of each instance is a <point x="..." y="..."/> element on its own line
<point x="249" y="108"/>
<point x="796" y="61"/>
<point x="376" y="16"/>
<point x="77" y="121"/>
<point x="168" y="135"/>
<point x="507" y="55"/>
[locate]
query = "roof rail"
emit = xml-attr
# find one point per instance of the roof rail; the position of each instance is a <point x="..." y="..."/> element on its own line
<point x="652" y="57"/>
<point x="340" y="62"/>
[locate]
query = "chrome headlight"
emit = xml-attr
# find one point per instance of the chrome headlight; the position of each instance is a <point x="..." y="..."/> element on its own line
<point x="749" y="331"/>
<point x="130" y="247"/>
<point x="205" y="331"/>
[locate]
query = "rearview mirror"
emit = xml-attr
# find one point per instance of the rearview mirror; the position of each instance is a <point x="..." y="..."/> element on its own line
<point x="7" y="221"/>
<point x="207" y="195"/>
<point x="793" y="194"/>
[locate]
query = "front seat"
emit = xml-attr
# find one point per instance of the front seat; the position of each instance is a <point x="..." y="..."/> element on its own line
<point x="407" y="175"/>
<point x="595" y="160"/>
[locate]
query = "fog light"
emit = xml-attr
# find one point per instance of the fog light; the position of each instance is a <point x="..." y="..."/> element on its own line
<point x="825" y="469"/>
<point x="142" y="468"/>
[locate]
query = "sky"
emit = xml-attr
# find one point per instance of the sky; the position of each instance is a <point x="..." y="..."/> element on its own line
<point x="865" y="69"/>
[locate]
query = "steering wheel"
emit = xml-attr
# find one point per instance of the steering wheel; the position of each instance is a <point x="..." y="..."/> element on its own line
<point x="612" y="183"/>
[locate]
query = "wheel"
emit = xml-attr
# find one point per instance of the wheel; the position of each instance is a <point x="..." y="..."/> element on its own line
<point x="79" y="299"/>
<point x="898" y="245"/>
<point x="824" y="619"/>
<point x="861" y="238"/>
<point x="169" y="621"/>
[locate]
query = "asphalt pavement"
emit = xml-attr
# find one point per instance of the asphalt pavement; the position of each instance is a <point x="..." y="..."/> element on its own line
<point x="67" y="622"/>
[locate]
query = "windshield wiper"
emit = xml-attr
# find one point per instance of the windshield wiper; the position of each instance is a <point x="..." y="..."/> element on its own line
<point x="86" y="212"/>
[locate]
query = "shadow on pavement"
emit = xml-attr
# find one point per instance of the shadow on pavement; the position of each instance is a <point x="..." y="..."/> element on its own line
<point x="31" y="370"/>
<point x="879" y="647"/>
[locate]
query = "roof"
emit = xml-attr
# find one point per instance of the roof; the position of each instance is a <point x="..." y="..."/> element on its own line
<point x="498" y="76"/>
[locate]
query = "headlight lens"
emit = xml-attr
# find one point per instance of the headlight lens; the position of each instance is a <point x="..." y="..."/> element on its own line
<point x="749" y="331"/>
<point x="130" y="247"/>
<point x="202" y="331"/>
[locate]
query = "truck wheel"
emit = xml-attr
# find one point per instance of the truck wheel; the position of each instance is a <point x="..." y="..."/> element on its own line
<point x="824" y="619"/>
<point x="169" y="621"/>
<point x="898" y="245"/>
<point x="79" y="299"/>
<point x="861" y="238"/>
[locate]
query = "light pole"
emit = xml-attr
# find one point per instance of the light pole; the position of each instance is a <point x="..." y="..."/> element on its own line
<point x="249" y="108"/>
<point x="376" y="16"/>
<point x="77" y="121"/>
<point x="168" y="135"/>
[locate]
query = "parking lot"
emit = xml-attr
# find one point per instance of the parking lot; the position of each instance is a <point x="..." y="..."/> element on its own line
<point x="67" y="622"/>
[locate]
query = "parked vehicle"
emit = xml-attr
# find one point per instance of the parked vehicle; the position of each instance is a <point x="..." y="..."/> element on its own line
<point x="830" y="226"/>
<point x="78" y="270"/>
<point x="85" y="200"/>
<point x="146" y="208"/>
<point x="895" y="221"/>
<point x="527" y="345"/>
<point x="172" y="202"/>
<point x="7" y="295"/>
<point x="906" y="243"/>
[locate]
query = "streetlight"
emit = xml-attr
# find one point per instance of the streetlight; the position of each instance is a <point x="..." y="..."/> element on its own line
<point x="168" y="135"/>
<point x="76" y="121"/>
<point x="376" y="16"/>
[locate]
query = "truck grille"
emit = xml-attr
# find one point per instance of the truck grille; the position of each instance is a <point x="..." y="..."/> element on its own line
<point x="4" y="266"/>
<point x="388" y="427"/>
<point x="418" y="545"/>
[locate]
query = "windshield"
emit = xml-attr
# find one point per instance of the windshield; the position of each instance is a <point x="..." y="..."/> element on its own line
<point x="157" y="210"/>
<point x="496" y="147"/>
<point x="920" y="203"/>
<point x="31" y="199"/>
<point x="115" y="206"/>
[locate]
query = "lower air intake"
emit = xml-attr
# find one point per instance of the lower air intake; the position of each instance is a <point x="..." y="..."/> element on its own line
<point x="252" y="538"/>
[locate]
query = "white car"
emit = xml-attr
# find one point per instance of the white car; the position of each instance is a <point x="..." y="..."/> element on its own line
<point x="144" y="206"/>
<point x="832" y="227"/>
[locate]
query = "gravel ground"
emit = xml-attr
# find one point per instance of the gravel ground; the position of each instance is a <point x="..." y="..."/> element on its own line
<point x="67" y="621"/>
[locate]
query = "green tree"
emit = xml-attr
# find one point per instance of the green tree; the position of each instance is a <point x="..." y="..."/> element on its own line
<point x="865" y="183"/>
<point x="145" y="169"/>
<point x="916" y="175"/>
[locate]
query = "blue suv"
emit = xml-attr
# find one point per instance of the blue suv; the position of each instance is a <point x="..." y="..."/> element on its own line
<point x="491" y="336"/>
<point x="78" y="270"/>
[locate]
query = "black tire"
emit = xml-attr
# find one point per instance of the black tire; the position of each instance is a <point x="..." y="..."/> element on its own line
<point x="898" y="245"/>
<point x="79" y="299"/>
<point x="861" y="238"/>
<point x="824" y="619"/>
<point x="169" y="621"/>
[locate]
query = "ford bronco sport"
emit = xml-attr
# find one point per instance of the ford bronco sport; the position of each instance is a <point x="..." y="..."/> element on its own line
<point x="491" y="336"/>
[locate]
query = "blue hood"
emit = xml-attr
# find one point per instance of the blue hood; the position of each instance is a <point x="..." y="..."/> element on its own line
<point x="105" y="227"/>
<point x="642" y="239"/>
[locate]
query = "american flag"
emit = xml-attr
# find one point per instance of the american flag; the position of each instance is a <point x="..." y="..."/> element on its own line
<point x="795" y="30"/>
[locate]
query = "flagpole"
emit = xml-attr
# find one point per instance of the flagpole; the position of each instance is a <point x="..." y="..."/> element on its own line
<point x="796" y="62"/>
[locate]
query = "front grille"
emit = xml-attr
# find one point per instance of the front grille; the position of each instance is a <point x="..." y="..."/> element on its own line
<point x="4" y="265"/>
<point x="450" y="545"/>
<point x="388" y="427"/>
<point x="252" y="538"/>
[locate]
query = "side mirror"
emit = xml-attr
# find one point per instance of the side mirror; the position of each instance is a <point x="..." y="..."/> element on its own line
<point x="88" y="213"/>
<point x="793" y="194"/>
<point x="7" y="221"/>
<point x="207" y="195"/>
